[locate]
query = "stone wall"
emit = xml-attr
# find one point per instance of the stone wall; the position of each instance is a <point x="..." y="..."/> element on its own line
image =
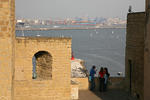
<point x="56" y="88"/>
<point x="113" y="83"/>
<point x="16" y="67"/>
<point x="74" y="91"/>
<point x="7" y="32"/>
<point x="147" y="5"/>
<point x="135" y="53"/>
<point x="147" y="57"/>
<point x="83" y="83"/>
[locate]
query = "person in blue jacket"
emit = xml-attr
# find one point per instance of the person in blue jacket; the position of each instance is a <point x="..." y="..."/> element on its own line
<point x="92" y="74"/>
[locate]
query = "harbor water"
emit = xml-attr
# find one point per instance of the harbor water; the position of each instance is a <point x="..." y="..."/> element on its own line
<point x="100" y="47"/>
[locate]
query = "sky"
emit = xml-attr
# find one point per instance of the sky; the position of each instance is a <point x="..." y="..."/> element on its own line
<point x="45" y="9"/>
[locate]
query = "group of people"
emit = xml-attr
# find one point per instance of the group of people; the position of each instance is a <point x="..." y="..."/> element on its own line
<point x="103" y="76"/>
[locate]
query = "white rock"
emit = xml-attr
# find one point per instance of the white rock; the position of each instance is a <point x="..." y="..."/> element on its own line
<point x="77" y="69"/>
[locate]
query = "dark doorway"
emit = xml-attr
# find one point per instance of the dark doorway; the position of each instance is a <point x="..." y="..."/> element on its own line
<point x="130" y="75"/>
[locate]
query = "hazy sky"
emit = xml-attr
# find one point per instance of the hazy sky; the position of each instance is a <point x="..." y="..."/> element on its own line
<point x="72" y="8"/>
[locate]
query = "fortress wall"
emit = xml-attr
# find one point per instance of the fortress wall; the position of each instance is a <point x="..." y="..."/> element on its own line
<point x="57" y="88"/>
<point x="147" y="5"/>
<point x="135" y="53"/>
<point x="7" y="32"/>
<point x="114" y="82"/>
<point x="147" y="58"/>
<point x="82" y="82"/>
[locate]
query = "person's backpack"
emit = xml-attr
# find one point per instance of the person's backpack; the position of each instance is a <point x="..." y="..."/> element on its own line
<point x="90" y="78"/>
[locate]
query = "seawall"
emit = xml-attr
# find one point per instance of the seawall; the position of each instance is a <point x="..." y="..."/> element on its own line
<point x="114" y="83"/>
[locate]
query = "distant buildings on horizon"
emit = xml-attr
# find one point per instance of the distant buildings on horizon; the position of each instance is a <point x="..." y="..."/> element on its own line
<point x="98" y="21"/>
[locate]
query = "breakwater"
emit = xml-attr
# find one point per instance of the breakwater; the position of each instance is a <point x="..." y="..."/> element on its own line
<point x="62" y="28"/>
<point x="46" y="29"/>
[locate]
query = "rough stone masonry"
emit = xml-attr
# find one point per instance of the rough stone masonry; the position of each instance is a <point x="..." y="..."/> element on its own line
<point x="16" y="82"/>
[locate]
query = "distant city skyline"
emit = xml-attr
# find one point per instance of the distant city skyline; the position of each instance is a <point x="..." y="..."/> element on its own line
<point x="45" y="9"/>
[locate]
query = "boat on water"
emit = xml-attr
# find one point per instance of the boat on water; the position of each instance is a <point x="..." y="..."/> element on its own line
<point x="112" y="32"/>
<point x="38" y="35"/>
<point x="91" y="35"/>
<point x="56" y="26"/>
<point x="27" y="26"/>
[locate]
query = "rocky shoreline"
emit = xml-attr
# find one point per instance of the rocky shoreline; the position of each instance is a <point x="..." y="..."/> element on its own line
<point x="78" y="69"/>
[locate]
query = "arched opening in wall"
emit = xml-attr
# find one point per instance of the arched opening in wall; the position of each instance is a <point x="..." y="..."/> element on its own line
<point x="42" y="65"/>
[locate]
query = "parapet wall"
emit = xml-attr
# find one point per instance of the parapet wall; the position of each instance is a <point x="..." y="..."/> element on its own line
<point x="135" y="53"/>
<point x="83" y="83"/>
<point x="114" y="83"/>
<point x="57" y="88"/>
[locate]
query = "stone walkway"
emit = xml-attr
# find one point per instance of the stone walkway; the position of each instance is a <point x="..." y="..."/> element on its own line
<point x="109" y="95"/>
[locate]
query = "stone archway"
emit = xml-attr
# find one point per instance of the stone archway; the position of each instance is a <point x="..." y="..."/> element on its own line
<point x="42" y="67"/>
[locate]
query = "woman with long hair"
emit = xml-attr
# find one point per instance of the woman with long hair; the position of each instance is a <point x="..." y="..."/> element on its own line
<point x="101" y="79"/>
<point x="106" y="77"/>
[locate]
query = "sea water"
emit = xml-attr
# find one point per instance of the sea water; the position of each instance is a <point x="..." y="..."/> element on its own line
<point x="99" y="47"/>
